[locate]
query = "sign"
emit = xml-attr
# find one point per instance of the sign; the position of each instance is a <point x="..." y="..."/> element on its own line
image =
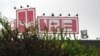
<point x="13" y="24"/>
<point x="25" y="18"/>
<point x="84" y="34"/>
<point x="55" y="24"/>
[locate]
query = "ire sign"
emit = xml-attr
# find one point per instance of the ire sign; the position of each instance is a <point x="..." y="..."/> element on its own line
<point x="55" y="24"/>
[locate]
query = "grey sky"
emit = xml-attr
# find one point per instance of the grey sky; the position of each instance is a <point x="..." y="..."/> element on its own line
<point x="88" y="10"/>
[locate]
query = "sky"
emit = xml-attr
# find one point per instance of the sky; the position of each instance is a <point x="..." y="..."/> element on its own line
<point x="88" y="10"/>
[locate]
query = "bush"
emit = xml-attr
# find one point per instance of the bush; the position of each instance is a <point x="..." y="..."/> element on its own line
<point x="31" y="44"/>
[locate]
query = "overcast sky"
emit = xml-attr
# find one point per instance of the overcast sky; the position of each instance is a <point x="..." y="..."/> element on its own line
<point x="88" y="10"/>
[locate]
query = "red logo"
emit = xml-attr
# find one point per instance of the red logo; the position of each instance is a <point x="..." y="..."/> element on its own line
<point x="25" y="18"/>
